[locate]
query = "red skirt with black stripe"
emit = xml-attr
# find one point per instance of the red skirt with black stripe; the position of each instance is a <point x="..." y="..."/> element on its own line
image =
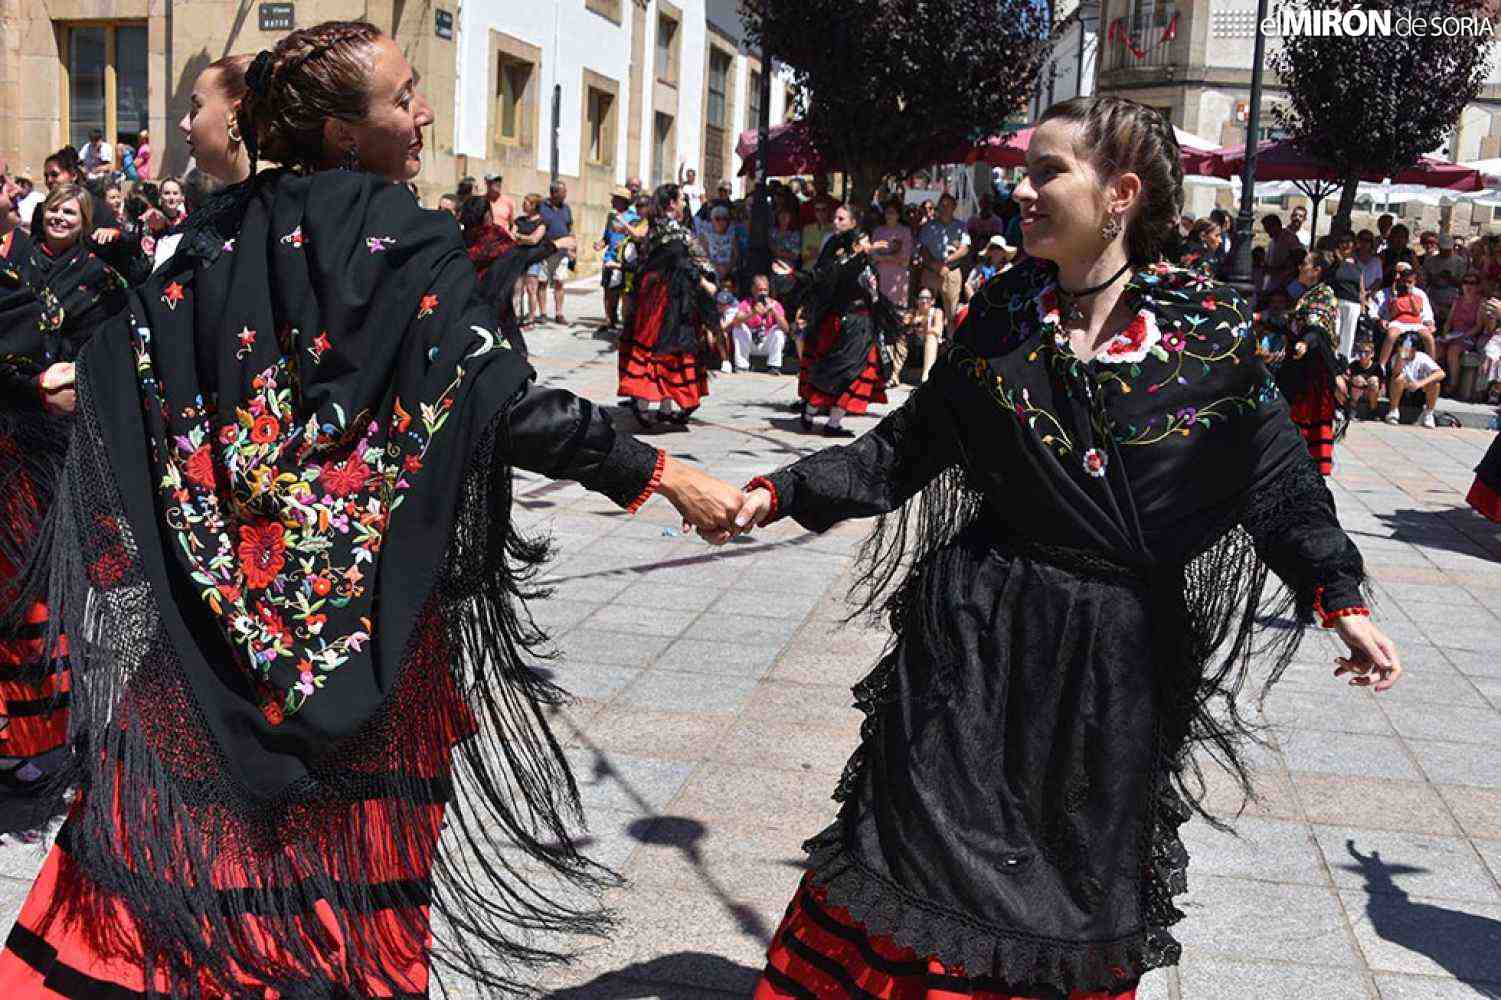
<point x="820" y="953"/>
<point x="646" y="374"/>
<point x="1485" y="500"/>
<point x="33" y="684"/>
<point x="1313" y="412"/>
<point x="867" y="388"/>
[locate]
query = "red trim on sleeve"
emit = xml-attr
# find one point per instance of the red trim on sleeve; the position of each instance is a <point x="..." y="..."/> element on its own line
<point x="762" y="483"/>
<point x="652" y="484"/>
<point x="1328" y="618"/>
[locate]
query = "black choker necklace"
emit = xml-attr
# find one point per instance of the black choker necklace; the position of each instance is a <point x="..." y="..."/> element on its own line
<point x="1075" y="315"/>
<point x="1085" y="292"/>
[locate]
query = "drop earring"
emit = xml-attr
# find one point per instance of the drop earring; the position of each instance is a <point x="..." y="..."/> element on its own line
<point x="233" y="131"/>
<point x="1110" y="228"/>
<point x="351" y="158"/>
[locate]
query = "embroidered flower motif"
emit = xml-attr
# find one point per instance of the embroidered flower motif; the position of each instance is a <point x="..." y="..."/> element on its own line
<point x="342" y="479"/>
<point x="247" y="341"/>
<point x="1094" y="463"/>
<point x="319" y="346"/>
<point x="1187" y="415"/>
<point x="200" y="467"/>
<point x="1173" y="340"/>
<point x="229" y="245"/>
<point x="294" y="239"/>
<point x="172" y="295"/>
<point x="1134" y="342"/>
<point x="427" y="306"/>
<point x="262" y="553"/>
<point x="265" y="430"/>
<point x="379" y="243"/>
<point x="1047" y="306"/>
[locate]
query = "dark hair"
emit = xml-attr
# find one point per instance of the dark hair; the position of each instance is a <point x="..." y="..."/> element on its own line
<point x="231" y="71"/>
<point x="314" y="74"/>
<point x="66" y="159"/>
<point x="667" y="194"/>
<point x="1221" y="218"/>
<point x="1123" y="136"/>
<point x="473" y="211"/>
<point x="136" y="207"/>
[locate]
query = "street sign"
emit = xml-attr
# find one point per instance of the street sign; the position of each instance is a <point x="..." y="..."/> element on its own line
<point x="443" y="22"/>
<point x="277" y="17"/>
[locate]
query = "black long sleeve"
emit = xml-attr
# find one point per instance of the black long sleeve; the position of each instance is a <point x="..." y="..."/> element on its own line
<point x="563" y="436"/>
<point x="879" y="471"/>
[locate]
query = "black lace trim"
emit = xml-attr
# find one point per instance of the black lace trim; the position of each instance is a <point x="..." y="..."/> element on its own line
<point x="886" y="909"/>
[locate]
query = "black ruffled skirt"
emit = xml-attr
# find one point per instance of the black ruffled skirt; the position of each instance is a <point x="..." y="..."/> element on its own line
<point x="1009" y="811"/>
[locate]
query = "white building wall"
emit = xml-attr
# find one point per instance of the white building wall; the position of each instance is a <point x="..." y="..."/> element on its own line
<point x="572" y="39"/>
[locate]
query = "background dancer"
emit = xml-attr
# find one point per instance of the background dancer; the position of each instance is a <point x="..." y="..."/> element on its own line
<point x="673" y="301"/>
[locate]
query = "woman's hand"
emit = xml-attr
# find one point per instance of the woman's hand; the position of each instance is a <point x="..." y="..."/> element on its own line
<point x="754" y="511"/>
<point x="706" y="503"/>
<point x="568" y="244"/>
<point x="1373" y="657"/>
<point x="1300" y="349"/>
<point x="781" y="267"/>
<point x="103" y="237"/>
<point x="57" y="386"/>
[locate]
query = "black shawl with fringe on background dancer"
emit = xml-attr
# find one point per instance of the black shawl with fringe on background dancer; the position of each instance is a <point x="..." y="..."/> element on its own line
<point x="1077" y="599"/>
<point x="283" y="554"/>
<point x="663" y="334"/>
<point x="848" y="321"/>
<point x="50" y="305"/>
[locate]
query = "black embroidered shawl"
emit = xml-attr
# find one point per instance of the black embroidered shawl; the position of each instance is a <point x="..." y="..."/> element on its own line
<point x="285" y="532"/>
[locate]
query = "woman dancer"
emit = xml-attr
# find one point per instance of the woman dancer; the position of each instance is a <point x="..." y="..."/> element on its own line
<point x="842" y="369"/>
<point x="1310" y="370"/>
<point x="211" y="130"/>
<point x="53" y="296"/>
<point x="1078" y="602"/>
<point x="285" y="527"/>
<point x="674" y="300"/>
<point x="1485" y="492"/>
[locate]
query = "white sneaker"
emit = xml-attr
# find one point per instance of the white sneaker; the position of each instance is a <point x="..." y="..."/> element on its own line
<point x="1394" y="417"/>
<point x="1427" y="418"/>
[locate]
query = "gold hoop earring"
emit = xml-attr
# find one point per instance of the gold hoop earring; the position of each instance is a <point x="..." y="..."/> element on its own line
<point x="1110" y="229"/>
<point x="234" y="134"/>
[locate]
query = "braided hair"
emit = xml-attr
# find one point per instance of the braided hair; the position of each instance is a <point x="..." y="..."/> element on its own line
<point x="1123" y="136"/>
<point x="312" y="75"/>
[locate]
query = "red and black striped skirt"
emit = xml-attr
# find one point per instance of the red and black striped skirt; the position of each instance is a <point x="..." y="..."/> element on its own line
<point x="647" y="374"/>
<point x="1313" y="412"/>
<point x="820" y="952"/>
<point x="867" y="388"/>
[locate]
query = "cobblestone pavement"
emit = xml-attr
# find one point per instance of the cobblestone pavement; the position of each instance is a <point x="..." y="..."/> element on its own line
<point x="714" y="715"/>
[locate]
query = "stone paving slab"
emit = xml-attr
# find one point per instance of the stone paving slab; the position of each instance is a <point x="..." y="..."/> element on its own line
<point x="714" y="715"/>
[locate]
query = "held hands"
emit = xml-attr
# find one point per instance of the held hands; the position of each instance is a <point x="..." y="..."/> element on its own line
<point x="717" y="510"/>
<point x="1373" y="657"/>
<point x="57" y="388"/>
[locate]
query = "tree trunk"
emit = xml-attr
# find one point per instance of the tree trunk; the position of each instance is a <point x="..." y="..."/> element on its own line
<point x="1341" y="222"/>
<point x="864" y="180"/>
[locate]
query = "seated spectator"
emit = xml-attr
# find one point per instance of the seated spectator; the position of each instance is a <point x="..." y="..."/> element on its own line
<point x="1366" y="379"/>
<point x="758" y="326"/>
<point x="1462" y="327"/>
<point x="719" y="242"/>
<point x="927" y="323"/>
<point x="1404" y="308"/>
<point x="1489" y="340"/>
<point x="787" y="236"/>
<point x="1370" y="261"/>
<point x="998" y="257"/>
<point x="1295" y="287"/>
<point x="1442" y="271"/>
<point x="1415" y="371"/>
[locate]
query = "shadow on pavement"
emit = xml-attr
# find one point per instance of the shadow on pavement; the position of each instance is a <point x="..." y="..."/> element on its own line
<point x="1464" y="944"/>
<point x="646" y="979"/>
<point x="1456" y="529"/>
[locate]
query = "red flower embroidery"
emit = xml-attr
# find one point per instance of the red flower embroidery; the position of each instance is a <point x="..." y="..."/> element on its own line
<point x="201" y="467"/>
<point x="427" y="306"/>
<point x="228" y="433"/>
<point x="229" y="592"/>
<point x="262" y="552"/>
<point x="272" y="711"/>
<point x="413" y="463"/>
<point x="343" y="478"/>
<point x="264" y="430"/>
<point x="172" y="295"/>
<point x="1209" y="303"/>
